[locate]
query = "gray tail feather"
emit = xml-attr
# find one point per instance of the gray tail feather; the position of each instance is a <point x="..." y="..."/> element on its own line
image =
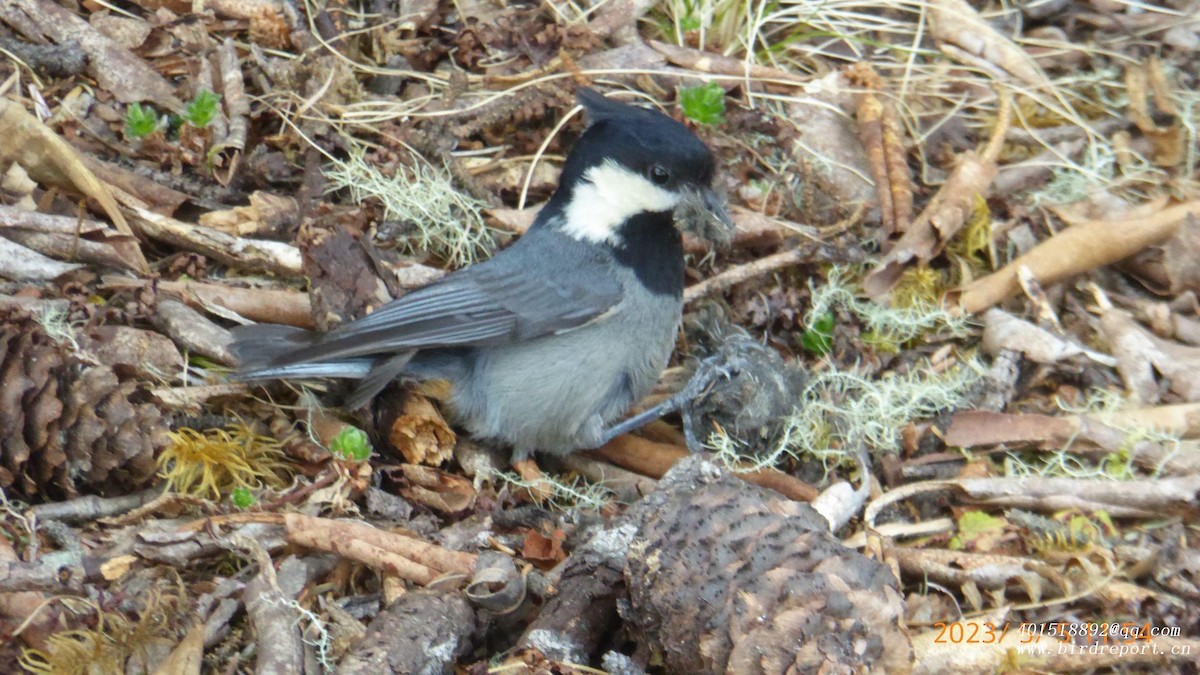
<point x="351" y="369"/>
<point x="263" y="352"/>
<point x="261" y="346"/>
<point x="382" y="373"/>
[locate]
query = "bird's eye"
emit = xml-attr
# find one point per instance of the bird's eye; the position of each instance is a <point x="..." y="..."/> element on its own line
<point x="659" y="175"/>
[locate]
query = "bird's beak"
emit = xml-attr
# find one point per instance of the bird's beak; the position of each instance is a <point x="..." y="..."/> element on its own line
<point x="703" y="213"/>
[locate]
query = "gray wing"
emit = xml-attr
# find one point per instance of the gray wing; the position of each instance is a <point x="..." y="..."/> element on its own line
<point x="488" y="304"/>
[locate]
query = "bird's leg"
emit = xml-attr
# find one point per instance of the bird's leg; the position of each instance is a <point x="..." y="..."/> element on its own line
<point x="708" y="372"/>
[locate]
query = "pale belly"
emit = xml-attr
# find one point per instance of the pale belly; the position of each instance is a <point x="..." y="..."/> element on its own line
<point x="557" y="394"/>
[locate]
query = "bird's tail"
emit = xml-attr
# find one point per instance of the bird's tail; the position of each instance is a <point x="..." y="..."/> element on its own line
<point x="264" y="345"/>
<point x="264" y="352"/>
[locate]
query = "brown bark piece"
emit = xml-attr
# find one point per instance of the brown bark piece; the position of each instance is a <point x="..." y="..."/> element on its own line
<point x="116" y="68"/>
<point x="193" y="331"/>
<point x="145" y="354"/>
<point x="420" y="433"/>
<point x="267" y="213"/>
<point x="336" y="266"/>
<point x="883" y="138"/>
<point x="422" y="632"/>
<point x="437" y="489"/>
<point x="574" y="621"/>
<point x="268" y="305"/>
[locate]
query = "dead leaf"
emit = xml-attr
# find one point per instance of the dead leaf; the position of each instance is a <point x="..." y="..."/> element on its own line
<point x="946" y="213"/>
<point x="967" y="37"/>
<point x="1170" y="268"/>
<point x="827" y="146"/>
<point x="188" y="655"/>
<point x="544" y="551"/>
<point x="1146" y="86"/>
<point x="49" y="159"/>
<point x="1142" y="357"/>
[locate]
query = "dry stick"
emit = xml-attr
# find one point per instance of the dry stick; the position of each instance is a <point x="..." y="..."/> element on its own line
<point x="431" y="555"/>
<point x="1179" y="418"/>
<point x="747" y="271"/>
<point x="396" y="554"/>
<point x="280" y="645"/>
<point x="736" y="275"/>
<point x="1075" y="250"/>
<point x="539" y="487"/>
<point x="655" y="459"/>
<point x="192" y="330"/>
<point x="707" y="62"/>
<point x="390" y="563"/>
<point x="256" y="255"/>
<point x="626" y="485"/>
<point x="34" y="304"/>
<point x="269" y="305"/>
<point x="84" y="509"/>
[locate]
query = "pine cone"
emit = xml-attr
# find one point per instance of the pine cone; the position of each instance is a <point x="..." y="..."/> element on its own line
<point x="725" y="577"/>
<point x="65" y="426"/>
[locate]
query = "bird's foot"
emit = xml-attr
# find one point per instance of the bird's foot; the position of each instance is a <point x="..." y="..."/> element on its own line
<point x="707" y="374"/>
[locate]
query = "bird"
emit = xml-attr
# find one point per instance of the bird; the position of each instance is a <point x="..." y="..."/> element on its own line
<point x="550" y="342"/>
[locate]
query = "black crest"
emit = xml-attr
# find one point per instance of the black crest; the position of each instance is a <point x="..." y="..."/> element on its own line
<point x="599" y="107"/>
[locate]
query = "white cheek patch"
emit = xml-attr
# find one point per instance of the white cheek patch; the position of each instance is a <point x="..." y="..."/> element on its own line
<point x="609" y="195"/>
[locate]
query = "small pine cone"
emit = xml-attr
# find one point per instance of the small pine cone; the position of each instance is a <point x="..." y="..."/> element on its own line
<point x="65" y="426"/>
<point x="726" y="577"/>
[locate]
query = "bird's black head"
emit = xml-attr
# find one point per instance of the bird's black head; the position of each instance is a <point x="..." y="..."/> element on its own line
<point x="631" y="161"/>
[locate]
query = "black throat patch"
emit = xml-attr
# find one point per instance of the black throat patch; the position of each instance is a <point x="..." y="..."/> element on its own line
<point x="653" y="249"/>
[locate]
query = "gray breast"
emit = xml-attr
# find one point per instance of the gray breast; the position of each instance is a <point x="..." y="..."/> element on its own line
<point x="557" y="393"/>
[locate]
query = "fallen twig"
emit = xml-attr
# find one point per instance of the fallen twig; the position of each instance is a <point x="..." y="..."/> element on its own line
<point x="655" y="459"/>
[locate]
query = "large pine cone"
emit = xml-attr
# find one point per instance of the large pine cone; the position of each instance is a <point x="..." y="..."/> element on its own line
<point x="726" y="577"/>
<point x="65" y="426"/>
